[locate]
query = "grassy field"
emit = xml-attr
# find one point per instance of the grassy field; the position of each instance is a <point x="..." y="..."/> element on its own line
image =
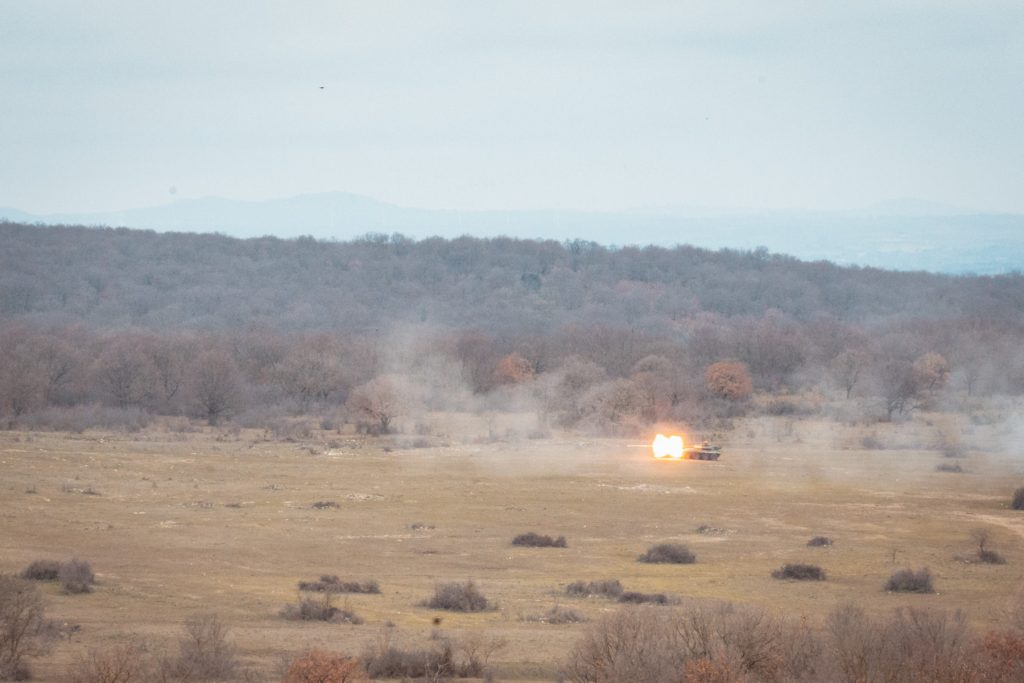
<point x="181" y="522"/>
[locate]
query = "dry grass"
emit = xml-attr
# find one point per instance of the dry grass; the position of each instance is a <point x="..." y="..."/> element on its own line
<point x="162" y="555"/>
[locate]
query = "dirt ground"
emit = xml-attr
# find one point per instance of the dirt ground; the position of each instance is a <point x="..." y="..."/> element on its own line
<point x="212" y="520"/>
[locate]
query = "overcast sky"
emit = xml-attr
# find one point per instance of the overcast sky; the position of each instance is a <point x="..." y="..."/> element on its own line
<point x="593" y="105"/>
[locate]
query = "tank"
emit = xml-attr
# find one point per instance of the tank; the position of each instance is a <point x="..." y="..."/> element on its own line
<point x="705" y="451"/>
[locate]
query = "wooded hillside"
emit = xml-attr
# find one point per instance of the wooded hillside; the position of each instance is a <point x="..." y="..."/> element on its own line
<point x="599" y="336"/>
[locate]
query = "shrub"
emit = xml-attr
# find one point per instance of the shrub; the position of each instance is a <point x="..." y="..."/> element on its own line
<point x="533" y="540"/>
<point x="1018" y="499"/>
<point x="318" y="666"/>
<point x="634" y="598"/>
<point x="558" y="615"/>
<point x="800" y="572"/>
<point x="324" y="505"/>
<point x="204" y="652"/>
<point x="609" y="588"/>
<point x="76" y="576"/>
<point x="910" y="581"/>
<point x="313" y="609"/>
<point x="871" y="442"/>
<point x="949" y="467"/>
<point x="991" y="557"/>
<point x="41" y="570"/>
<point x="24" y="630"/>
<point x="388" y="661"/>
<point x="668" y="553"/>
<point x="819" y="541"/>
<point x="458" y="597"/>
<point x="121" y="664"/>
<point x="332" y="584"/>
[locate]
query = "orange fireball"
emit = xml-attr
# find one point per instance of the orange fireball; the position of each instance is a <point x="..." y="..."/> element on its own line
<point x="668" y="447"/>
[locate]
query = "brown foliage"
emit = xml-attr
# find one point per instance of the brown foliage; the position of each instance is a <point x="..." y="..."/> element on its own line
<point x="514" y="369"/>
<point x="318" y="666"/>
<point x="729" y="380"/>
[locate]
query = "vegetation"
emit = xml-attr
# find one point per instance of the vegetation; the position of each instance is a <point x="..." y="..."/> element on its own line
<point x="319" y="666"/>
<point x="534" y="540"/>
<point x="458" y="597"/>
<point x="1017" y="503"/>
<point x="609" y="588"/>
<point x="319" y="609"/>
<point x="800" y="572"/>
<point x="603" y="339"/>
<point x="25" y="632"/>
<point x="332" y="584"/>
<point x="668" y="553"/>
<point x="819" y="541"/>
<point x="910" y="581"/>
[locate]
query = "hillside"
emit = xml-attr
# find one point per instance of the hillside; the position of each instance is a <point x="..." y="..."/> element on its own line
<point x="582" y="333"/>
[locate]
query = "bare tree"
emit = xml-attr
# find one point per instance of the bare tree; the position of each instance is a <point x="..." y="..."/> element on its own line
<point x="377" y="403"/>
<point x="216" y="389"/>
<point x="24" y="630"/>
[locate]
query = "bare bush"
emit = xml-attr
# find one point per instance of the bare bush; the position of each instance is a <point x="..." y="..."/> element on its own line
<point x="800" y="572"/>
<point x="535" y="540"/>
<point x="76" y="576"/>
<point x="41" y="570"/>
<point x="333" y="584"/>
<point x="990" y="557"/>
<point x="910" y="581"/>
<point x="668" y="553"/>
<point x="608" y="588"/>
<point x="391" y="662"/>
<point x="322" y="609"/>
<point x="1017" y="503"/>
<point x="123" y="663"/>
<point x="318" y="666"/>
<point x="819" y="541"/>
<point x="324" y="505"/>
<point x="636" y="598"/>
<point x="953" y="467"/>
<point x="24" y="630"/>
<point x="458" y="597"/>
<point x="204" y="652"/>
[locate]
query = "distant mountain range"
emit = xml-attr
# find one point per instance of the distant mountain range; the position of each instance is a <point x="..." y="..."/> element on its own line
<point x="902" y="234"/>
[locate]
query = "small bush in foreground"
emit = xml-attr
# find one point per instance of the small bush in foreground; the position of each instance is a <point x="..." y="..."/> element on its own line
<point x="668" y="553"/>
<point x="800" y="572"/>
<point x="819" y="541"/>
<point x="76" y="576"/>
<point x="205" y="654"/>
<point x="558" y="615"/>
<point x="458" y="597"/>
<point x="910" y="581"/>
<point x="609" y="588"/>
<point x="41" y="570"/>
<point x="533" y="540"/>
<point x="313" y="609"/>
<point x="318" y="666"/>
<point x="1018" y="499"/>
<point x="635" y="598"/>
<point x="332" y="584"/>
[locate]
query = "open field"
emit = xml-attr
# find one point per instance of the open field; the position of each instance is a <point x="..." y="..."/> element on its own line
<point x="221" y="521"/>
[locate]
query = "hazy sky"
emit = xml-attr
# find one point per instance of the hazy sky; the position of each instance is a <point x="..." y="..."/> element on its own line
<point x="478" y="104"/>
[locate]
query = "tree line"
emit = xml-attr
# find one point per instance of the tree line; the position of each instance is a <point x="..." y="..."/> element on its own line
<point x="383" y="327"/>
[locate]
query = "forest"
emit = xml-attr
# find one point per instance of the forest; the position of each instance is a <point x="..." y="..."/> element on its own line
<point x="108" y="327"/>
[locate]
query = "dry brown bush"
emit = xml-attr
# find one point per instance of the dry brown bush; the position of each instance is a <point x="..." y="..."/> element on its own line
<point x="76" y="576"/>
<point x="24" y="630"/>
<point x="204" y="652"/>
<point x="458" y="597"/>
<point x="121" y="664"/>
<point x="318" y="666"/>
<point x="729" y="380"/>
<point x="534" y="540"/>
<point x="668" y="553"/>
<point x="319" y="609"/>
<point x="609" y="588"/>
